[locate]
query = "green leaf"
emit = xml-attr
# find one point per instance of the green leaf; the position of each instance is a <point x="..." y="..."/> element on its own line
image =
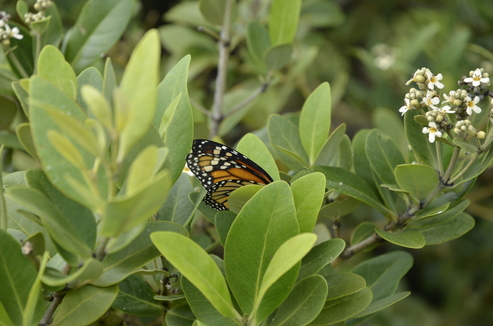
<point x="315" y="121"/>
<point x="22" y="95"/>
<point x="109" y="81"/>
<point x="392" y="125"/>
<point x="257" y="41"/>
<point x="423" y="150"/>
<point x="319" y="256"/>
<point x="138" y="86"/>
<point x="177" y="207"/>
<point x="340" y="309"/>
<point x="179" y="133"/>
<point x="142" y="170"/>
<point x="23" y="52"/>
<point x="53" y="67"/>
<point x="348" y="183"/>
<point x="75" y="305"/>
<point x="127" y="211"/>
<point x="438" y="216"/>
<point x="54" y="33"/>
<point x="17" y="276"/>
<point x="253" y="239"/>
<point x="362" y="165"/>
<point x="303" y="304"/>
<point x="252" y="147"/>
<point x="363" y="231"/>
<point x="202" y="308"/>
<point x="117" y="266"/>
<point x="25" y="137"/>
<point x="135" y="297"/>
<point x="384" y="303"/>
<point x="98" y="27"/>
<point x="308" y="193"/>
<point x="180" y="316"/>
<point x="8" y="111"/>
<point x="339" y="208"/>
<point x="331" y="147"/>
<point x="448" y="230"/>
<point x="98" y="105"/>
<point x="286" y="257"/>
<point x="22" y="8"/>
<point x="4" y="317"/>
<point x="213" y="10"/>
<point x="59" y="227"/>
<point x="285" y="139"/>
<point x="283" y="20"/>
<point x="91" y="269"/>
<point x="382" y="275"/>
<point x="418" y="179"/>
<point x="277" y="56"/>
<point x="383" y="155"/>
<point x="40" y="26"/>
<point x="406" y="238"/>
<point x="241" y="196"/>
<point x="223" y="221"/>
<point x="194" y="263"/>
<point x="344" y="284"/>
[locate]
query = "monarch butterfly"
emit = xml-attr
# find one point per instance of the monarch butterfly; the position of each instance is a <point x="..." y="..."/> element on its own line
<point x="221" y="170"/>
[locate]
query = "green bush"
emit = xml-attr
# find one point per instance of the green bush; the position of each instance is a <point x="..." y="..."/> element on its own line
<point x="99" y="222"/>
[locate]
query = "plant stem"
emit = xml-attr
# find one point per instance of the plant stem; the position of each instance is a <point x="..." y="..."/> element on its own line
<point x="247" y="101"/>
<point x="222" y="69"/>
<point x="451" y="165"/>
<point x="57" y="299"/>
<point x="16" y="63"/>
<point x="3" y="208"/>
<point x="439" y="158"/>
<point x="458" y="175"/>
<point x="101" y="252"/>
<point x="38" y="50"/>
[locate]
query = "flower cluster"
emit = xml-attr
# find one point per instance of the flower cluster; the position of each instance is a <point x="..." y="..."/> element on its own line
<point x="6" y="33"/>
<point x="462" y="102"/>
<point x="40" y="6"/>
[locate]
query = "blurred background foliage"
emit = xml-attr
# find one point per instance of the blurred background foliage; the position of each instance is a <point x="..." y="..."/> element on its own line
<point x="366" y="50"/>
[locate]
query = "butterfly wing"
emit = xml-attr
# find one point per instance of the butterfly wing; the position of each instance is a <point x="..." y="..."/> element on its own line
<point x="221" y="170"/>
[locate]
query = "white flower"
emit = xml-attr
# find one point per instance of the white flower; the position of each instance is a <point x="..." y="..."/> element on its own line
<point x="471" y="105"/>
<point x="406" y="107"/>
<point x="445" y="109"/>
<point x="431" y="100"/>
<point x="477" y="78"/>
<point x="434" y="80"/>
<point x="14" y="32"/>
<point x="432" y="132"/>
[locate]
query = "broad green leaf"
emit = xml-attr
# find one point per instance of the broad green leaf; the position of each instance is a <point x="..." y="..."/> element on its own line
<point x="24" y="135"/>
<point x="257" y="41"/>
<point x="177" y="207"/>
<point x="138" y="87"/>
<point x="391" y="124"/>
<point x="179" y="132"/>
<point x="180" y="315"/>
<point x="437" y="206"/>
<point x="448" y="230"/>
<point x="77" y="303"/>
<point x="383" y="155"/>
<point x="22" y="8"/>
<point x="4" y="317"/>
<point x="127" y="211"/>
<point x="344" y="284"/>
<point x="477" y="167"/>
<point x="117" y="266"/>
<point x="283" y="20"/>
<point x="287" y="256"/>
<point x="213" y="10"/>
<point x="315" y="121"/>
<point x="53" y="67"/>
<point x="121" y="241"/>
<point x="40" y="26"/>
<point x="439" y="216"/>
<point x="98" y="105"/>
<point x="98" y="27"/>
<point x="223" y="221"/>
<point x="54" y="33"/>
<point x="109" y="81"/>
<point x="406" y="238"/>
<point x="308" y="193"/>
<point x="331" y="147"/>
<point x="303" y="304"/>
<point x="384" y="303"/>
<point x="362" y="165"/>
<point x="469" y="147"/>
<point x="202" y="308"/>
<point x="142" y="170"/>
<point x="59" y="228"/>
<point x="135" y="297"/>
<point x="252" y="241"/>
<point x="423" y="151"/>
<point x="67" y="149"/>
<point x="339" y="208"/>
<point x="418" y="179"/>
<point x="342" y="308"/>
<point x="91" y="269"/>
<point x="252" y="147"/>
<point x="17" y="276"/>
<point x="240" y="196"/>
<point x="348" y="183"/>
<point x="194" y="263"/>
<point x="285" y="139"/>
<point x="383" y="273"/>
<point x="277" y="56"/>
<point x="319" y="256"/>
<point x="22" y="95"/>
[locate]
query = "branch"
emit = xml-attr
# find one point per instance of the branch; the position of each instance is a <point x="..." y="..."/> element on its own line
<point x="222" y="69"/>
<point x="247" y="101"/>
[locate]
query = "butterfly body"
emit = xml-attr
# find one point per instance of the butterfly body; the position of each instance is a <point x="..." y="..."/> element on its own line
<point x="221" y="170"/>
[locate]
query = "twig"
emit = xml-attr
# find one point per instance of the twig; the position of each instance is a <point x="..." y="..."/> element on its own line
<point x="199" y="107"/>
<point x="222" y="68"/>
<point x="57" y="299"/>
<point x="247" y="101"/>
<point x="209" y="32"/>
